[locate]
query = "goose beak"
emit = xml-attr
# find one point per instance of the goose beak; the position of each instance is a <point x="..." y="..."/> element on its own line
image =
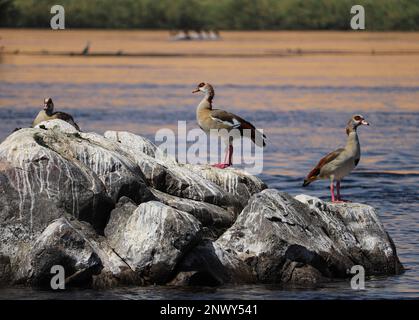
<point x="365" y="122"/>
<point x="196" y="90"/>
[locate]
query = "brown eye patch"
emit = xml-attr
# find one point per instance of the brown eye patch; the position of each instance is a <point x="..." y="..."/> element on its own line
<point x="201" y="85"/>
<point x="357" y="118"/>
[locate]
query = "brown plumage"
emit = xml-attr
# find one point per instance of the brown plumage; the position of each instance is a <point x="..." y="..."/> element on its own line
<point x="210" y="119"/>
<point x="316" y="171"/>
<point x="48" y="114"/>
<point x="339" y="163"/>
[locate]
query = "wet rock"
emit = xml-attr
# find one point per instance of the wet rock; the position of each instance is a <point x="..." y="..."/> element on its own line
<point x="215" y="220"/>
<point x="154" y="238"/>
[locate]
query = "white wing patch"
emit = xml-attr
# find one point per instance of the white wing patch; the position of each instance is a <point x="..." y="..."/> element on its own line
<point x="234" y="124"/>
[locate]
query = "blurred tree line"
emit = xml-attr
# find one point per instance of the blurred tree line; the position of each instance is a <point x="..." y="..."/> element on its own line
<point x="212" y="14"/>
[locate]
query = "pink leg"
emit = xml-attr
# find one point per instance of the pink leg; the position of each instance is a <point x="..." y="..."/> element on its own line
<point x="332" y="190"/>
<point x="228" y="155"/>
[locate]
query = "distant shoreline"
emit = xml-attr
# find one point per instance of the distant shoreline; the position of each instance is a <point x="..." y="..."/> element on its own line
<point x="273" y="54"/>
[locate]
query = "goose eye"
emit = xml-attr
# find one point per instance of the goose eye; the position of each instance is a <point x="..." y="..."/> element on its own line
<point x="201" y="85"/>
<point x="357" y="118"/>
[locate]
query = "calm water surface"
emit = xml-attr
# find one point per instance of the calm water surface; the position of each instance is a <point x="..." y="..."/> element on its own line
<point x="302" y="103"/>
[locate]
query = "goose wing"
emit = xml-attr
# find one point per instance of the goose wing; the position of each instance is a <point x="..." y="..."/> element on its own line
<point x="323" y="161"/>
<point x="66" y="117"/>
<point x="228" y="120"/>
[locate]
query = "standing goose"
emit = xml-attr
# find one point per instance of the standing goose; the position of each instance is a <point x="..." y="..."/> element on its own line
<point x="340" y="162"/>
<point x="209" y="118"/>
<point x="48" y="114"/>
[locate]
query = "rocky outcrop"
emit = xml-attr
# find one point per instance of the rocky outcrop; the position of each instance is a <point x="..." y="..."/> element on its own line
<point x="115" y="210"/>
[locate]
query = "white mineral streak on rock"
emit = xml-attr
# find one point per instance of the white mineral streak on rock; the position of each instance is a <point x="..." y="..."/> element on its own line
<point x="201" y="183"/>
<point x="28" y="158"/>
<point x="153" y="162"/>
<point x="235" y="181"/>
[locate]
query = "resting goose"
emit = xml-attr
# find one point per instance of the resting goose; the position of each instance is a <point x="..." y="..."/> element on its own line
<point x="340" y="162"/>
<point x="48" y="114"/>
<point x="209" y="118"/>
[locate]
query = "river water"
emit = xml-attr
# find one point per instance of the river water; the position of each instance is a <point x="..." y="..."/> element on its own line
<point x="301" y="101"/>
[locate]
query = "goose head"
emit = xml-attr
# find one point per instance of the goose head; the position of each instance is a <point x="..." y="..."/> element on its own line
<point x="356" y="121"/>
<point x="205" y="88"/>
<point x="48" y="105"/>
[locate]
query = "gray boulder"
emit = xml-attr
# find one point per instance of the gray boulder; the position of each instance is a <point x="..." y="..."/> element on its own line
<point x="153" y="239"/>
<point x="86" y="257"/>
<point x="278" y="239"/>
<point x="355" y="225"/>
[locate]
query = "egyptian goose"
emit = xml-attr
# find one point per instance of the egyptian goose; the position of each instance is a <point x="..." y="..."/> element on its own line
<point x="48" y="114"/>
<point x="340" y="162"/>
<point x="209" y="118"/>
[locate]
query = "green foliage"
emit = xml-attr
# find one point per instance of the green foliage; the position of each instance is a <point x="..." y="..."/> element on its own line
<point x="213" y="14"/>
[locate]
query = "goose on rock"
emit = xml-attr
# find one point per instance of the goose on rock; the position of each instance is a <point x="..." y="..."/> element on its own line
<point x="339" y="163"/>
<point x="215" y="119"/>
<point x="48" y="114"/>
